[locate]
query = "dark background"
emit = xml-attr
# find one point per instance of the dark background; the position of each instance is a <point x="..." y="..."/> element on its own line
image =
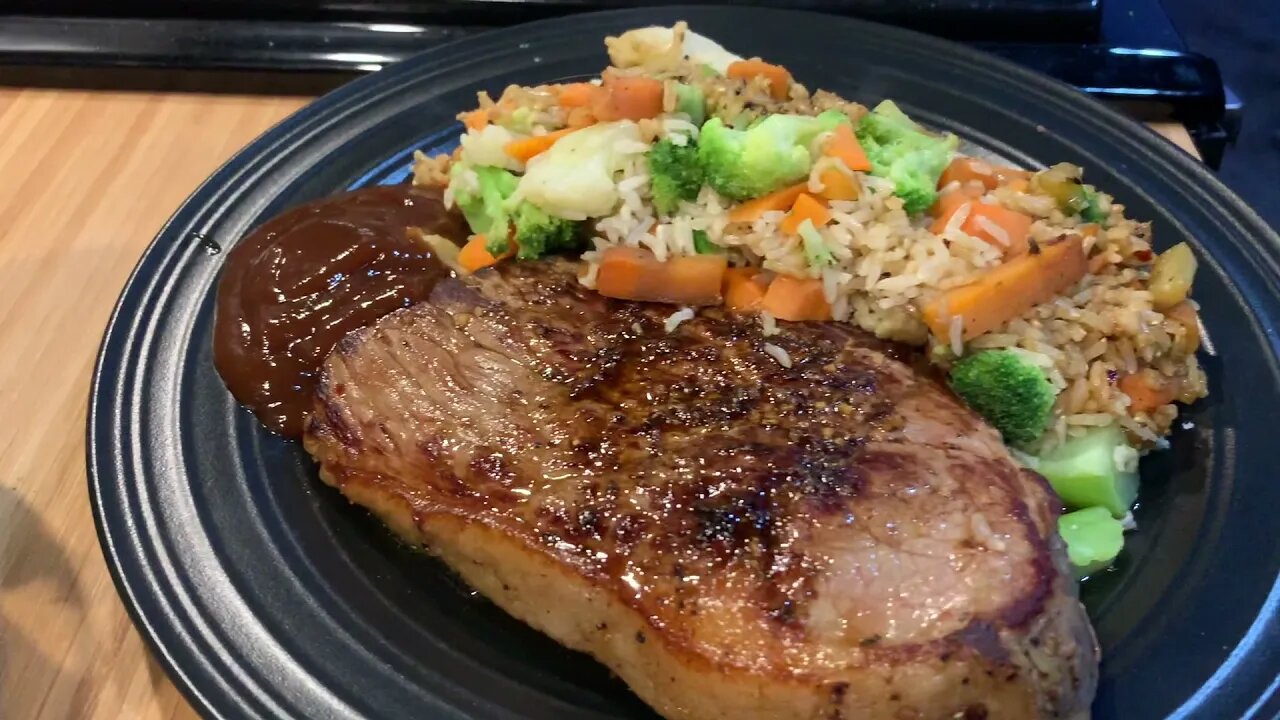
<point x="1244" y="37"/>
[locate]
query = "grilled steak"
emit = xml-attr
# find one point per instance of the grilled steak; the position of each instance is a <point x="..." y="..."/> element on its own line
<point x="736" y="539"/>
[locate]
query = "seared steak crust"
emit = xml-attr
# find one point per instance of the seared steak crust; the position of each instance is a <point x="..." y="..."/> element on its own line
<point x="735" y="538"/>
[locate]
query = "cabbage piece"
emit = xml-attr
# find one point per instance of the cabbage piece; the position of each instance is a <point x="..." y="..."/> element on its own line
<point x="577" y="177"/>
<point x="653" y="47"/>
<point x="487" y="147"/>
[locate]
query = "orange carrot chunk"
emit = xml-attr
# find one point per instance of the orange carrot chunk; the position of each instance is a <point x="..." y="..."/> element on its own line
<point x="635" y="274"/>
<point x="783" y="199"/>
<point x="1004" y="228"/>
<point x="1007" y="290"/>
<point x="844" y="145"/>
<point x="1147" y="391"/>
<point x="837" y="186"/>
<point x="796" y="299"/>
<point x="622" y="97"/>
<point x="526" y="149"/>
<point x="580" y="117"/>
<point x="744" y="289"/>
<point x="474" y="255"/>
<point x="778" y="77"/>
<point x="575" y="95"/>
<point x="945" y="206"/>
<point x="967" y="170"/>
<point x="476" y="119"/>
<point x="805" y="207"/>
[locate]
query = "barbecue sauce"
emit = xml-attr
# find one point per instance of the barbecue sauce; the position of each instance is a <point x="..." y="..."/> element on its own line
<point x="292" y="288"/>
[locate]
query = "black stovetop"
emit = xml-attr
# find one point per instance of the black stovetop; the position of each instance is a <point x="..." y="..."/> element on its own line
<point x="1122" y="51"/>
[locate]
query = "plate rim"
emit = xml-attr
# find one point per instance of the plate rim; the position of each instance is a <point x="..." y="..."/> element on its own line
<point x="101" y="417"/>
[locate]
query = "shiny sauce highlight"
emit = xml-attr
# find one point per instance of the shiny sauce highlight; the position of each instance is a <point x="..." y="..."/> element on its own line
<point x="293" y="287"/>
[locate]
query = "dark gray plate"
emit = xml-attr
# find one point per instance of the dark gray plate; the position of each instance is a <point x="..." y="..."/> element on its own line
<point x="266" y="595"/>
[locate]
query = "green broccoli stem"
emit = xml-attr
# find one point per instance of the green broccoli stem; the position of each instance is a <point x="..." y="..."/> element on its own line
<point x="1093" y="538"/>
<point x="1084" y="470"/>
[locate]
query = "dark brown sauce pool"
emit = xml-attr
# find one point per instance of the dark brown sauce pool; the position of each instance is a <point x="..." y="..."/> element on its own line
<point x="296" y="285"/>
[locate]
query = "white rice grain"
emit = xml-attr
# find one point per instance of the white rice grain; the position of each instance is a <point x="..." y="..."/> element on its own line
<point x="1125" y="459"/>
<point x="830" y="284"/>
<point x="777" y="353"/>
<point x="674" y="319"/>
<point x="588" y="278"/>
<point x="632" y="183"/>
<point x="768" y="324"/>
<point x="996" y="232"/>
<point x="983" y="534"/>
<point x="952" y="228"/>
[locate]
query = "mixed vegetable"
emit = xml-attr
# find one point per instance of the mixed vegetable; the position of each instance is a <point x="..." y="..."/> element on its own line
<point x="1094" y="473"/>
<point x="1006" y="388"/>
<point x="529" y="188"/>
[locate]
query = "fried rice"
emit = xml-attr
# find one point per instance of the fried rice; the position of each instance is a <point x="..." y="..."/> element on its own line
<point x="886" y="263"/>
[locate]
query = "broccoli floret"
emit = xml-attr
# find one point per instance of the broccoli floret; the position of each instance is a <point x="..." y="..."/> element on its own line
<point x="675" y="174"/>
<point x="538" y="233"/>
<point x="743" y="164"/>
<point x="480" y="192"/>
<point x="1008" y="390"/>
<point x="691" y="101"/>
<point x="905" y="153"/>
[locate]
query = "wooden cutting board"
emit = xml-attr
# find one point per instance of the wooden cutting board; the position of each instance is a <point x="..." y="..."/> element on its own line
<point x="89" y="178"/>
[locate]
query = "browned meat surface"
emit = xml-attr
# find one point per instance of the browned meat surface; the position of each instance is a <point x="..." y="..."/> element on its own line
<point x="737" y="540"/>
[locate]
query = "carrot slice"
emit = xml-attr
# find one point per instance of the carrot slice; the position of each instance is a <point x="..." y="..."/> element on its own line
<point x="580" y="117"/>
<point x="1016" y="227"/>
<point x="1147" y="390"/>
<point x="945" y="206"/>
<point x="778" y="77"/>
<point x="744" y="289"/>
<point x="837" y="186"/>
<point x="635" y="274"/>
<point x="805" y="207"/>
<point x="575" y="95"/>
<point x="526" y="149"/>
<point x="796" y="299"/>
<point x="966" y="170"/>
<point x="844" y="145"/>
<point x="474" y="255"/>
<point x="623" y="97"/>
<point x="476" y="119"/>
<point x="1018" y="185"/>
<point x="783" y="199"/>
<point x="1007" y="290"/>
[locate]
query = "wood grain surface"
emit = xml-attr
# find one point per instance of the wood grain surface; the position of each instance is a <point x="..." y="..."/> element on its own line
<point x="89" y="178"/>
